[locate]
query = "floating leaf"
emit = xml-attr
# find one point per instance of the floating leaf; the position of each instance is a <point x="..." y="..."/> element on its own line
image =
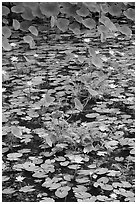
<point x="6" y="31"/>
<point x="27" y="14"/>
<point x="53" y="21"/>
<point x="115" y="9"/>
<point x="62" y="191"/>
<point x="106" y="187"/>
<point x="130" y="13"/>
<point x="126" y="184"/>
<point x="48" y="100"/>
<point x="74" y="166"/>
<point x="111" y="143"/>
<point x="78" y="104"/>
<point x="5" y="10"/>
<point x="119" y="158"/>
<point x="64" y="163"/>
<point x="33" y="30"/>
<point x="108" y="23"/>
<point x="82" y="195"/>
<point x="16" y="131"/>
<point x="101" y="170"/>
<point x="83" y="11"/>
<point x="47" y="199"/>
<point x="28" y="39"/>
<point x="16" y="24"/>
<point x="102" y="197"/>
<point x="92" y="166"/>
<point x="82" y="180"/>
<point x="125" y="30"/>
<point x="92" y="115"/>
<point x="49" y="8"/>
<point x="5" y="178"/>
<point x="103" y="180"/>
<point x="132" y="151"/>
<point x="18" y="9"/>
<point x="24" y="25"/>
<point x="62" y="24"/>
<point x="8" y="191"/>
<point x="27" y="189"/>
<point x="14" y="156"/>
<point x="89" y="23"/>
<point x="104" y="8"/>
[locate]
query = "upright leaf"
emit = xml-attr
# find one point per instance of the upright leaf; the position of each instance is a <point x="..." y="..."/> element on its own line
<point x="78" y="104"/>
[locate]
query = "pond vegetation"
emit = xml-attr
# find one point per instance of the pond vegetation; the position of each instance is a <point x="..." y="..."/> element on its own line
<point x="68" y="111"/>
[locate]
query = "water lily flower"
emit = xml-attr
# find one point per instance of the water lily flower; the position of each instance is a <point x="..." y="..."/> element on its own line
<point x="36" y="55"/>
<point x="29" y="83"/>
<point x="76" y="56"/>
<point x="3" y="89"/>
<point x="14" y="59"/>
<point x="43" y="95"/>
<point x="20" y="178"/>
<point x="97" y="51"/>
<point x="111" y="52"/>
<point x="4" y="72"/>
<point x="87" y="40"/>
<point x="113" y="195"/>
<point x="13" y="44"/>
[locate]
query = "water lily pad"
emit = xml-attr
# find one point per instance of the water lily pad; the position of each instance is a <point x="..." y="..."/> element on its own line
<point x="106" y="187"/>
<point x="14" y="156"/>
<point x="101" y="170"/>
<point x="92" y="115"/>
<point x="103" y="180"/>
<point x="82" y="195"/>
<point x="47" y="199"/>
<point x="102" y="197"/>
<point x="8" y="191"/>
<point x="64" y="163"/>
<point x="62" y="191"/>
<point x="82" y="180"/>
<point x="27" y="189"/>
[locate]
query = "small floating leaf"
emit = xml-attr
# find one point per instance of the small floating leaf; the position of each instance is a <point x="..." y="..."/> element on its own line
<point x="33" y="30"/>
<point x="130" y="13"/>
<point x="106" y="187"/>
<point x="62" y="191"/>
<point x="16" y="24"/>
<point x="62" y="24"/>
<point x="92" y="115"/>
<point x="6" y="31"/>
<point x="5" y="10"/>
<point x="89" y="23"/>
<point x="14" y="156"/>
<point x="26" y="189"/>
<point x="101" y="170"/>
<point x="17" y="9"/>
<point x="8" y="191"/>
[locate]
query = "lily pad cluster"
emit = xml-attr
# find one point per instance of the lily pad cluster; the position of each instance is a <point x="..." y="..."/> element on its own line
<point x="68" y="106"/>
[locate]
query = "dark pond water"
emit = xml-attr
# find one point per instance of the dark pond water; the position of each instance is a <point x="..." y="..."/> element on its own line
<point x="87" y="157"/>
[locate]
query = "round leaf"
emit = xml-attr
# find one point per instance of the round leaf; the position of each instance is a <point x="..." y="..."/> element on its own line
<point x="18" y="9"/>
<point x="5" y="10"/>
<point x="6" y="31"/>
<point x="62" y="24"/>
<point x="33" y="30"/>
<point x="5" y="44"/>
<point x="16" y="24"/>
